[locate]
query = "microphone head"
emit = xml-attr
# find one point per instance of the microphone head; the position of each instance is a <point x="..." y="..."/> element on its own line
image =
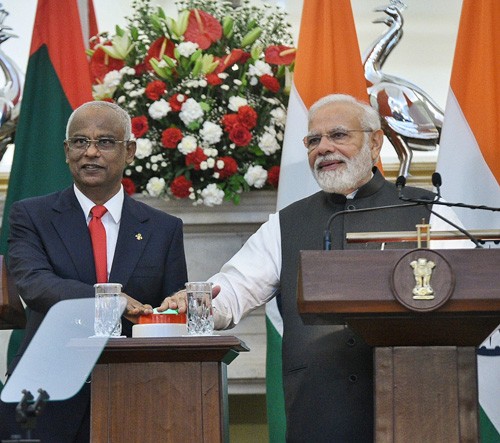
<point x="401" y="182"/>
<point x="436" y="180"/>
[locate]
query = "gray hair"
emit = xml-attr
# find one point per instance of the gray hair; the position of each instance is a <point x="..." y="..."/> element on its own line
<point x="123" y="115"/>
<point x="369" y="117"/>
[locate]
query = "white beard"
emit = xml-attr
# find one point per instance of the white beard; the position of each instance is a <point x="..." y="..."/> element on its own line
<point x="347" y="178"/>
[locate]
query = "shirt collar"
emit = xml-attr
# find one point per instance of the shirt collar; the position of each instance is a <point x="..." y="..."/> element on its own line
<point x="114" y="205"/>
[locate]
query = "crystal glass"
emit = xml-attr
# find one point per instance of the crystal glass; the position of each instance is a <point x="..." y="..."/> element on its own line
<point x="200" y="316"/>
<point x="109" y="304"/>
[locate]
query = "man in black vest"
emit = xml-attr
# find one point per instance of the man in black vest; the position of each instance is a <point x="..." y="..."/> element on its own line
<point x="327" y="370"/>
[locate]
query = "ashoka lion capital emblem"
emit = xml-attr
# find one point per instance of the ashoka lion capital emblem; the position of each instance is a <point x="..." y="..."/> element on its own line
<point x="422" y="270"/>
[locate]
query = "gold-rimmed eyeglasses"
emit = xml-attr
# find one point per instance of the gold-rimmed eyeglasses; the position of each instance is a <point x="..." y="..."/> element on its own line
<point x="335" y="136"/>
<point x="104" y="144"/>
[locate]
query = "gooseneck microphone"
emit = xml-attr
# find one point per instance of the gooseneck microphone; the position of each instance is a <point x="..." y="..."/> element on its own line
<point x="436" y="181"/>
<point x="327" y="236"/>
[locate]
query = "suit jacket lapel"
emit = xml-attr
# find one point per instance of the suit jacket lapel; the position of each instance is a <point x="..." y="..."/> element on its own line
<point x="133" y="236"/>
<point x="69" y="222"/>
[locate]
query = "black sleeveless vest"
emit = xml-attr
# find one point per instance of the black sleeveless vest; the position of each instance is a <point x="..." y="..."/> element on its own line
<point x="328" y="370"/>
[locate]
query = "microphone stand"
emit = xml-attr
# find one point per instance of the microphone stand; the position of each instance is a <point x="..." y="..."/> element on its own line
<point x="327" y="237"/>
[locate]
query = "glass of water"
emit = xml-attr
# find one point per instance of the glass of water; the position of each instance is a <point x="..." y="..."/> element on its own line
<point x="109" y="305"/>
<point x="200" y="319"/>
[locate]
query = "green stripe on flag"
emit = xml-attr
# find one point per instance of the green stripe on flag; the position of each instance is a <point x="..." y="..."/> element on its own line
<point x="39" y="166"/>
<point x="274" y="385"/>
<point x="489" y="433"/>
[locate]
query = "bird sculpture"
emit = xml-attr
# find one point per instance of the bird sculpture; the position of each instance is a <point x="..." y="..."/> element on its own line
<point x="11" y="86"/>
<point x="411" y="120"/>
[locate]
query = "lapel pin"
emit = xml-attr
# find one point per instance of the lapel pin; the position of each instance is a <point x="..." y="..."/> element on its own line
<point x="138" y="236"/>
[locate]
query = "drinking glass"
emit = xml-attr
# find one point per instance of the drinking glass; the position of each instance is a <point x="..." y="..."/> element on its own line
<point x="109" y="305"/>
<point x="200" y="316"/>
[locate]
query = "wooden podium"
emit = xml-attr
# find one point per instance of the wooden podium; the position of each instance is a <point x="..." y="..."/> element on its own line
<point x="425" y="349"/>
<point x="162" y="389"/>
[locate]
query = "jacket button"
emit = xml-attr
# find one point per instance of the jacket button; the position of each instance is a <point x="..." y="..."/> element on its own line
<point x="351" y="207"/>
<point x="351" y="342"/>
<point x="353" y="378"/>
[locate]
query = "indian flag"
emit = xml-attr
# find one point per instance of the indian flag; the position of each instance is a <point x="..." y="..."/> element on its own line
<point x="57" y="82"/>
<point x="469" y="160"/>
<point x="328" y="61"/>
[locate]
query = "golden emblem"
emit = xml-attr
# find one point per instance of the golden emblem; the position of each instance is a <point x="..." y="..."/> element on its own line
<point x="138" y="236"/>
<point x="422" y="270"/>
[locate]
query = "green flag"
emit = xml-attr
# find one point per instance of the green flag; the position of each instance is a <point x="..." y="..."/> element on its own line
<point x="57" y="81"/>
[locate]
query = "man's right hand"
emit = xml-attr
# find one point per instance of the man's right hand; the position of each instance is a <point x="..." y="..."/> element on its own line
<point x="179" y="300"/>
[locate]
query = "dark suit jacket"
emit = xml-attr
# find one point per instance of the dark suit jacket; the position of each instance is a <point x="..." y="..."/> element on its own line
<point x="51" y="259"/>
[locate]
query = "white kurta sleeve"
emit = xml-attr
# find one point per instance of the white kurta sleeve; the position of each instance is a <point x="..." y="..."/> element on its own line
<point x="251" y="277"/>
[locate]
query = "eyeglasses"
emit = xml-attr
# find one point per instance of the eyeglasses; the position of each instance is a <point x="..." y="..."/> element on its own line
<point x="335" y="136"/>
<point x="104" y="144"/>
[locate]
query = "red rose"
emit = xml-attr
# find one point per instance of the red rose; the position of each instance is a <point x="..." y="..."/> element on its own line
<point x="230" y="167"/>
<point x="155" y="89"/>
<point x="228" y="121"/>
<point x="139" y="126"/>
<point x="176" y="103"/>
<point x="195" y="158"/>
<point x="213" y="79"/>
<point x="270" y="82"/>
<point x="180" y="187"/>
<point x="171" y="137"/>
<point x="240" y="135"/>
<point x="128" y="185"/>
<point x="273" y="176"/>
<point x="247" y="117"/>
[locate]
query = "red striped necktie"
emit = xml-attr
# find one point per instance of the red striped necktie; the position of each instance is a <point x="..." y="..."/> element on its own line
<point x="98" y="236"/>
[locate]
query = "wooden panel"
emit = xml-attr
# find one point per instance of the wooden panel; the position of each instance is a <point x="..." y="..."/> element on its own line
<point x="354" y="287"/>
<point x="426" y="394"/>
<point x="12" y="314"/>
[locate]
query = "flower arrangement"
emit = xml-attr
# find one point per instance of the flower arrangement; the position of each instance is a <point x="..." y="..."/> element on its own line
<point x="207" y="93"/>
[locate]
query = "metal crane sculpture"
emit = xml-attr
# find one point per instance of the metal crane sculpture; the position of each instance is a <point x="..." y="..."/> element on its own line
<point x="411" y="120"/>
<point x="10" y="89"/>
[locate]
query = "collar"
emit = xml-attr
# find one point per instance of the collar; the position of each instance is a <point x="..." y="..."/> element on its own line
<point x="114" y="205"/>
<point x="370" y="188"/>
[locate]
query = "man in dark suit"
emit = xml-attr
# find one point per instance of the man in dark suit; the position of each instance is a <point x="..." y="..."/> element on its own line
<point x="51" y="255"/>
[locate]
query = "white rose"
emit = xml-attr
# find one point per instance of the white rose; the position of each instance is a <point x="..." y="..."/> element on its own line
<point x="212" y="195"/>
<point x="159" y="109"/>
<point x="268" y="143"/>
<point x="155" y="186"/>
<point x="256" y="176"/>
<point x="186" y="49"/>
<point x="278" y="116"/>
<point x="235" y="102"/>
<point x="259" y="68"/>
<point x="144" y="148"/>
<point x="211" y="133"/>
<point x="187" y="145"/>
<point x="190" y="111"/>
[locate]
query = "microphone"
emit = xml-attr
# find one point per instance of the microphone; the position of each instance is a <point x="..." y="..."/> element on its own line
<point x="327" y="236"/>
<point x="437" y="182"/>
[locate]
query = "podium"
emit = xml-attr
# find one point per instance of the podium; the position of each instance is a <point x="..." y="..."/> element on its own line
<point x="162" y="389"/>
<point x="425" y="366"/>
